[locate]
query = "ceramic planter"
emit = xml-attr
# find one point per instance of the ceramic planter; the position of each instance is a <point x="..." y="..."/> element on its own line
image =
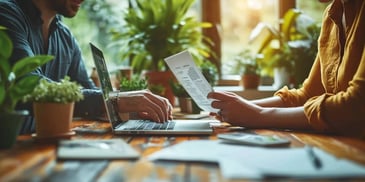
<point x="187" y="105"/>
<point x="53" y="120"/>
<point x="10" y="126"/>
<point x="250" y="81"/>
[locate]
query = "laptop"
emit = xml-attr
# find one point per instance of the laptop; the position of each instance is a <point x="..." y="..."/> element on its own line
<point x="139" y="126"/>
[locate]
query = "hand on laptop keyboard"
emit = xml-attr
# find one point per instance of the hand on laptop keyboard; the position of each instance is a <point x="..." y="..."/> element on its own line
<point x="149" y="106"/>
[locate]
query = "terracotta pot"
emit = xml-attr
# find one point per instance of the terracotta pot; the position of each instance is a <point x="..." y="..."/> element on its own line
<point x="10" y="126"/>
<point x="250" y="81"/>
<point x="163" y="79"/>
<point x="187" y="105"/>
<point x="53" y="119"/>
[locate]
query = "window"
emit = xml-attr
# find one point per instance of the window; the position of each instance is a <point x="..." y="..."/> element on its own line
<point x="234" y="21"/>
<point x="312" y="8"/>
<point x="238" y="19"/>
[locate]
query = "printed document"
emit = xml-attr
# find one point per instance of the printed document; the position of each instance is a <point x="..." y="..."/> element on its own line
<point x="191" y="78"/>
<point x="248" y="162"/>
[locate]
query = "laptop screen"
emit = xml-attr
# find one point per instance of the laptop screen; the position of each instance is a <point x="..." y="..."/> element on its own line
<point x="106" y="85"/>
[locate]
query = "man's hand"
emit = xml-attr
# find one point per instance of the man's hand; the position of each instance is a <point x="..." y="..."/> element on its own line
<point x="148" y="105"/>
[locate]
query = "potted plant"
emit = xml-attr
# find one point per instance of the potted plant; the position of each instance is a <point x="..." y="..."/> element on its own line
<point x="156" y="29"/>
<point x="14" y="84"/>
<point x="250" y="70"/>
<point x="186" y="103"/>
<point x="288" y="52"/>
<point x="53" y="104"/>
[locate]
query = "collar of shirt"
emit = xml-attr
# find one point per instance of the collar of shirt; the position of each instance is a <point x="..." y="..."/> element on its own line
<point x="34" y="14"/>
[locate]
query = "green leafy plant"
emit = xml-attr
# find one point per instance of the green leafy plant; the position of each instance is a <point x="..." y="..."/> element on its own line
<point x="64" y="92"/>
<point x="293" y="46"/>
<point x="247" y="63"/>
<point x="134" y="83"/>
<point x="16" y="80"/>
<point x="156" y="29"/>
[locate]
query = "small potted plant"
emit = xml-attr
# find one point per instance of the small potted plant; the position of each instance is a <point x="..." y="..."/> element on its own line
<point x="53" y="104"/>
<point x="250" y="75"/>
<point x="14" y="84"/>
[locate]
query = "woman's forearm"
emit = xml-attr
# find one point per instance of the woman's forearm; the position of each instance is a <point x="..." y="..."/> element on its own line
<point x="286" y="118"/>
<point x="274" y="101"/>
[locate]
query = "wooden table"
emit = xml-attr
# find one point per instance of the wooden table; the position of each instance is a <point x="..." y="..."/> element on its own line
<point x="32" y="161"/>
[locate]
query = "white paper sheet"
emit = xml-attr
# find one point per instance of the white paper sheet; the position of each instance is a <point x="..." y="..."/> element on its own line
<point x="96" y="149"/>
<point x="247" y="162"/>
<point x="191" y="78"/>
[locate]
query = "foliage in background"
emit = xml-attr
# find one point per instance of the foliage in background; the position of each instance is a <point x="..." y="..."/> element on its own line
<point x="247" y="63"/>
<point x="135" y="83"/>
<point x="210" y="72"/>
<point x="178" y="89"/>
<point x="92" y="24"/>
<point x="156" y="29"/>
<point x="293" y="47"/>
<point x="15" y="82"/>
<point x="64" y="92"/>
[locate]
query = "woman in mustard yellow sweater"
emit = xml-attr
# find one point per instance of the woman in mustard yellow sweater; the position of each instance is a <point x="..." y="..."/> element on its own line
<point x="332" y="99"/>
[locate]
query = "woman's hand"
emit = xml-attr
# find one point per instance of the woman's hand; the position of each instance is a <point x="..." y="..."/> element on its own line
<point x="148" y="105"/>
<point x="234" y="109"/>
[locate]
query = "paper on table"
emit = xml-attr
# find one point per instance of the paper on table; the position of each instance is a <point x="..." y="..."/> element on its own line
<point x="191" y="78"/>
<point x="95" y="149"/>
<point x="288" y="162"/>
<point x="206" y="151"/>
<point x="247" y="162"/>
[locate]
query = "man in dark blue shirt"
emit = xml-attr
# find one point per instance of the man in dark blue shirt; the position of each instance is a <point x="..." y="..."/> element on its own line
<point x="35" y="27"/>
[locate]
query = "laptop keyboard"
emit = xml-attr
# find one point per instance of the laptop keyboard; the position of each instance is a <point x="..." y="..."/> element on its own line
<point x="149" y="125"/>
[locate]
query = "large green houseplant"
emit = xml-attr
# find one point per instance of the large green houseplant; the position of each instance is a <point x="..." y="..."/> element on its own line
<point x="14" y="84"/>
<point x="156" y="29"/>
<point x="53" y="104"/>
<point x="293" y="46"/>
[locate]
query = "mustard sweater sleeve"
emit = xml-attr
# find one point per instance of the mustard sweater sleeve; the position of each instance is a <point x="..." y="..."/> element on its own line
<point x="333" y="96"/>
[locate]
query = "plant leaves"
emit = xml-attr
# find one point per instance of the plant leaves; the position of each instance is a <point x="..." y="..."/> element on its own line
<point x="4" y="69"/>
<point x="6" y="45"/>
<point x="2" y="92"/>
<point x="29" y="64"/>
<point x="288" y="21"/>
<point x="24" y="86"/>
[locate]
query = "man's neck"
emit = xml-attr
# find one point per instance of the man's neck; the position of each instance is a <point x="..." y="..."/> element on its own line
<point x="47" y="16"/>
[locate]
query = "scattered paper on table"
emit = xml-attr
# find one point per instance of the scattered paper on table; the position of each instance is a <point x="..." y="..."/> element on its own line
<point x="96" y="149"/>
<point x="248" y="162"/>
